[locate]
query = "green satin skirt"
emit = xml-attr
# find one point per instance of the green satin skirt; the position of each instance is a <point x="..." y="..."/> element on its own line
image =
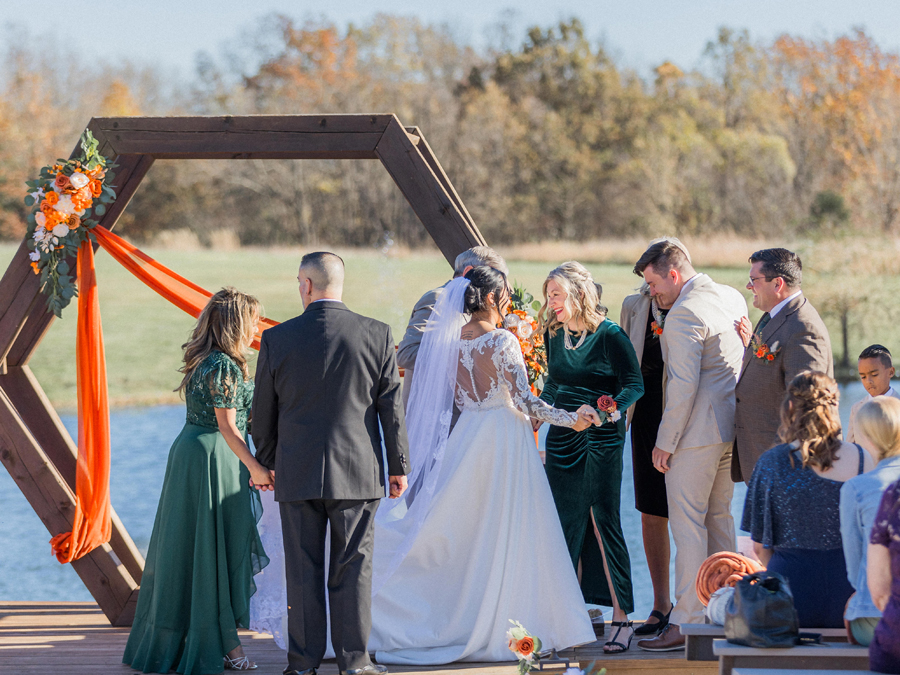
<point x="204" y="552"/>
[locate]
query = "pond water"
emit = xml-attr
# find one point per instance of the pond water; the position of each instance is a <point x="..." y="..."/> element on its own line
<point x="140" y="443"/>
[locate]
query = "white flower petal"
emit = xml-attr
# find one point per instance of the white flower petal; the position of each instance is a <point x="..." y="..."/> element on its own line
<point x="60" y="230"/>
<point x="78" y="180"/>
<point x="35" y="256"/>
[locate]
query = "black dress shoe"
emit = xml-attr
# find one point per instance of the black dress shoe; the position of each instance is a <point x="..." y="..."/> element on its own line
<point x="308" y="671"/>
<point x="371" y="669"/>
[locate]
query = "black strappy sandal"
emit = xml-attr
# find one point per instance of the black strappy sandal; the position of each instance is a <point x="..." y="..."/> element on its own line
<point x="662" y="620"/>
<point x="613" y="641"/>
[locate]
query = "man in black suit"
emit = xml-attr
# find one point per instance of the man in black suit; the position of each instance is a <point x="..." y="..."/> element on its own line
<point x="324" y="382"/>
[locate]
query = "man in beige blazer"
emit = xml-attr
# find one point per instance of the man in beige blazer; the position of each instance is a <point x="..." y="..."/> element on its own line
<point x="409" y="345"/>
<point x="789" y="338"/>
<point x="702" y="355"/>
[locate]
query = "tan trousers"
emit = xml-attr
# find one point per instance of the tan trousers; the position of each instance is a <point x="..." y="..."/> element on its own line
<point x="699" y="490"/>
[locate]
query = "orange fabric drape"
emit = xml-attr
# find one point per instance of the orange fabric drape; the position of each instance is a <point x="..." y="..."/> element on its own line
<point x="181" y="292"/>
<point x="90" y="525"/>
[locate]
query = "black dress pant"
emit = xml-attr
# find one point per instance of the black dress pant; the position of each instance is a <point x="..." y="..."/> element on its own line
<point x="349" y="579"/>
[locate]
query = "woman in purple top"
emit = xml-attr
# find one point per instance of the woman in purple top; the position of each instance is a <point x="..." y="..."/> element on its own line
<point x="884" y="582"/>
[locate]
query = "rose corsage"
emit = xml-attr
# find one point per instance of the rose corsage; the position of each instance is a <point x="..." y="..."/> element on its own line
<point x="763" y="351"/>
<point x="608" y="409"/>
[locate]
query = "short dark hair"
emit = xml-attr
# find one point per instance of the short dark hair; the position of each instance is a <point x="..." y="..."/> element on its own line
<point x="779" y="262"/>
<point x="879" y="352"/>
<point x="662" y="256"/>
<point x="326" y="269"/>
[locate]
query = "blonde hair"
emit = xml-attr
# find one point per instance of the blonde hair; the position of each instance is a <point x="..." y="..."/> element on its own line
<point x="809" y="416"/>
<point x="227" y="324"/>
<point x="582" y="298"/>
<point x="879" y="421"/>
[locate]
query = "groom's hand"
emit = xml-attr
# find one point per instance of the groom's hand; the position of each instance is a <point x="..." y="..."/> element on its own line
<point x="398" y="486"/>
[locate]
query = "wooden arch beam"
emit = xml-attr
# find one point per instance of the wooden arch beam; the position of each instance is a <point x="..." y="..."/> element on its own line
<point x="34" y="445"/>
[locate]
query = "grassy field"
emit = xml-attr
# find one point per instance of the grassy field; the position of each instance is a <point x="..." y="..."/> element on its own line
<point x="143" y="333"/>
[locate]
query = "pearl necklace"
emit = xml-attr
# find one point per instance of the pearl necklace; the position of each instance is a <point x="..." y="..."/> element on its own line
<point x="567" y="341"/>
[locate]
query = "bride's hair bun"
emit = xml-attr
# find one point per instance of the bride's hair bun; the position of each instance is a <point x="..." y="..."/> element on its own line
<point x="482" y="282"/>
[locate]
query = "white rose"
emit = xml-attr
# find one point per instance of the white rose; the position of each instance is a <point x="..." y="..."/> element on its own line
<point x="35" y="256"/>
<point x="78" y="180"/>
<point x="65" y="205"/>
<point x="525" y="330"/>
<point x="40" y="219"/>
<point x="61" y="230"/>
<point x="512" y="320"/>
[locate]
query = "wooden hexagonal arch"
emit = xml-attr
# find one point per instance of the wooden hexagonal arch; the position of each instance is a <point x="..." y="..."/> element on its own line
<point x="35" y="447"/>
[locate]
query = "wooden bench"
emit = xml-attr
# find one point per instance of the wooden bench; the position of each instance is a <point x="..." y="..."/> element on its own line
<point x="829" y="656"/>
<point x="793" y="671"/>
<point x="699" y="638"/>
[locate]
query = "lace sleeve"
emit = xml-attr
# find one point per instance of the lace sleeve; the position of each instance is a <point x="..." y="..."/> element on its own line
<point x="511" y="367"/>
<point x="222" y="381"/>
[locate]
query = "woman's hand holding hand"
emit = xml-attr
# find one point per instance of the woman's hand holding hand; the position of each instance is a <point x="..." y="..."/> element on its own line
<point x="261" y="478"/>
<point x="587" y="417"/>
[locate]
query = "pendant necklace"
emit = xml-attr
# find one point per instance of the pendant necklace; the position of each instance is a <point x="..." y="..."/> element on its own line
<point x="567" y="341"/>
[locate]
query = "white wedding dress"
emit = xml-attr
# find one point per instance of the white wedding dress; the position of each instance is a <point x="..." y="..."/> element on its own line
<point x="487" y="548"/>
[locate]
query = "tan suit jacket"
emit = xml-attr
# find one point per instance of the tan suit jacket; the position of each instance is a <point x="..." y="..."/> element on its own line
<point x="633" y="320"/>
<point x="702" y="352"/>
<point x="802" y="343"/>
<point x="851" y="436"/>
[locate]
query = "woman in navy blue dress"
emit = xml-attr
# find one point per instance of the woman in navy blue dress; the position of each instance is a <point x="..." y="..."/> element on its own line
<point x="792" y="510"/>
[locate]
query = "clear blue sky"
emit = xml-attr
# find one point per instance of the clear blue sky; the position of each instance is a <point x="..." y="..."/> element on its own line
<point x="639" y="33"/>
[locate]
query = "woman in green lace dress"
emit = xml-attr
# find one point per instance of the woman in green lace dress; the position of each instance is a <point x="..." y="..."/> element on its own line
<point x="589" y="356"/>
<point x="205" y="549"/>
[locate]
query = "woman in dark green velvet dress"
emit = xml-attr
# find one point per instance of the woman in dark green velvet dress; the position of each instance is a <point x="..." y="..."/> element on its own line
<point x="589" y="356"/>
<point x="205" y="548"/>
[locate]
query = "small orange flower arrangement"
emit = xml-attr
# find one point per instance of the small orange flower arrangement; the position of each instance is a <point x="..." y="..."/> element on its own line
<point x="522" y="322"/>
<point x="763" y="351"/>
<point x="64" y="199"/>
<point x="525" y="646"/>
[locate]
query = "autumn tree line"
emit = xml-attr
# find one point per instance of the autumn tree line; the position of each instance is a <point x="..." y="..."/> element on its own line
<point x="544" y="135"/>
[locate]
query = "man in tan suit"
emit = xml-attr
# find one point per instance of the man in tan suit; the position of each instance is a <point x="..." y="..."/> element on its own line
<point x="789" y="338"/>
<point x="409" y="345"/>
<point x="702" y="355"/>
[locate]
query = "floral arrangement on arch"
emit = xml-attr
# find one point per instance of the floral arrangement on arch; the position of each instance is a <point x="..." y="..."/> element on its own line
<point x="522" y="322"/>
<point x="64" y="199"/>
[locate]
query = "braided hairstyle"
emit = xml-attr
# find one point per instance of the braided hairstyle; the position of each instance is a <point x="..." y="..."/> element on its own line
<point x="809" y="416"/>
<point x="483" y="281"/>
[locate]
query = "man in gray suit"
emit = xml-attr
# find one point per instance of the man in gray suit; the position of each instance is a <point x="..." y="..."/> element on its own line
<point x="702" y="355"/>
<point x="327" y="386"/>
<point x="789" y="338"/>
<point x="409" y="345"/>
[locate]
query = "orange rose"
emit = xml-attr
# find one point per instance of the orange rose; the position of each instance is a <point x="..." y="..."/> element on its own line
<point x="770" y="357"/>
<point x="96" y="188"/>
<point x="48" y="210"/>
<point x="525" y="646"/>
<point x="61" y="182"/>
<point x="527" y="348"/>
<point x="51" y="198"/>
<point x="83" y="198"/>
<point x="73" y="222"/>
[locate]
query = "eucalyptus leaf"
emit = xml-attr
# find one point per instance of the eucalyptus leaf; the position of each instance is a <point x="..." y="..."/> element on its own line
<point x="63" y="267"/>
<point x="536" y="305"/>
<point x="100" y="209"/>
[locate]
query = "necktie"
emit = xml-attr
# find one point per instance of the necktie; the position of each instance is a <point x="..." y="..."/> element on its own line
<point x="762" y="323"/>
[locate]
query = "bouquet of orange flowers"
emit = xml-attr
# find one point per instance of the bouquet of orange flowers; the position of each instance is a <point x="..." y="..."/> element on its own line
<point x="524" y="645"/>
<point x="63" y="200"/>
<point x="522" y="322"/>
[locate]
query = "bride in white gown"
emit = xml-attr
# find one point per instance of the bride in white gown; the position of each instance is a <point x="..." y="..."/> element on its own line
<point x="476" y="540"/>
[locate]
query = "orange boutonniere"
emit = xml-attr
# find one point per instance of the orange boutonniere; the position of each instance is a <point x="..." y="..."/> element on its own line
<point x="656" y="328"/>
<point x="763" y="351"/>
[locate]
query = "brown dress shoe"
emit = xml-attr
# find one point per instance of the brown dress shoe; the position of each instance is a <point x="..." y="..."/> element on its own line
<point x="669" y="640"/>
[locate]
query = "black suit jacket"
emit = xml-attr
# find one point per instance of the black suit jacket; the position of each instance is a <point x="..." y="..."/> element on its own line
<point x="324" y="381"/>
